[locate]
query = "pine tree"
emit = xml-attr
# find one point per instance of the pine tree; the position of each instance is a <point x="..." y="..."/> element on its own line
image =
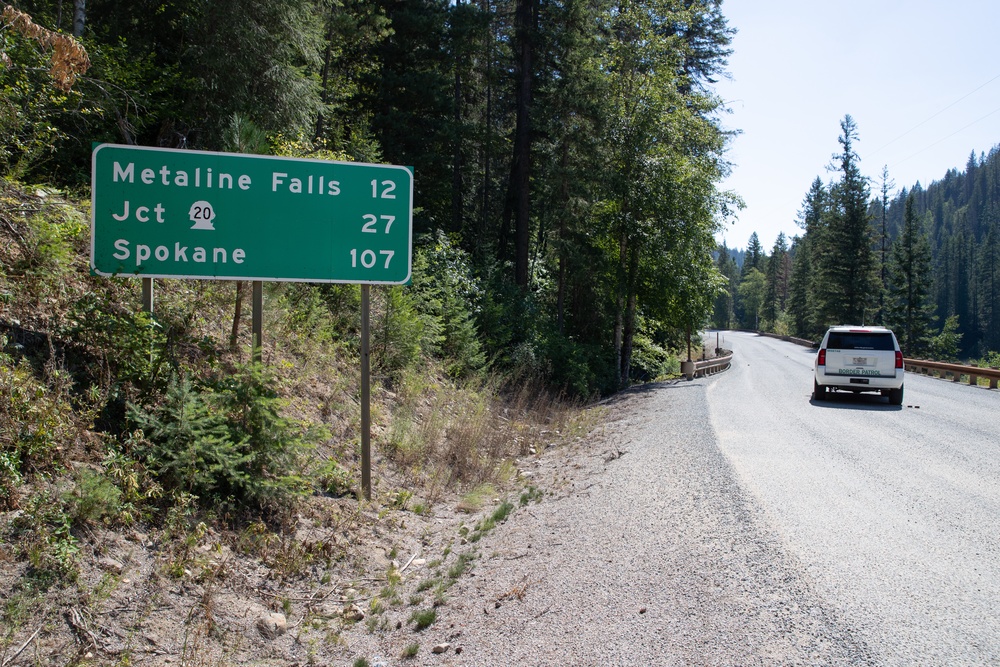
<point x="804" y="284"/>
<point x="778" y="268"/>
<point x="723" y="313"/>
<point x="910" y="309"/>
<point x="846" y="284"/>
<point x="887" y="184"/>
<point x="798" y="289"/>
<point x="754" y="258"/>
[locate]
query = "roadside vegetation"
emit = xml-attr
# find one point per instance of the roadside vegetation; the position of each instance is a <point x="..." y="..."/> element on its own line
<point x="150" y="469"/>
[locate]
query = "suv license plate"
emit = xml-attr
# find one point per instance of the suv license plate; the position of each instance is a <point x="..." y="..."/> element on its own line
<point x="859" y="380"/>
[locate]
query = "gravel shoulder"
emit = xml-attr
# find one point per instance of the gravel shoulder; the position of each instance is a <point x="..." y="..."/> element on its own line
<point x="645" y="552"/>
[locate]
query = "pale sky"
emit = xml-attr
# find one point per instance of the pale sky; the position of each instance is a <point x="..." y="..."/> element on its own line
<point x="921" y="79"/>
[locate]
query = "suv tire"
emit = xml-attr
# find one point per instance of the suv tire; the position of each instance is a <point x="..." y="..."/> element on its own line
<point x="819" y="392"/>
<point x="896" y="396"/>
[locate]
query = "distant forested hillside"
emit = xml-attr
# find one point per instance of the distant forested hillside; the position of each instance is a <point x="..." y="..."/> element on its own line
<point x="925" y="261"/>
<point x="961" y="216"/>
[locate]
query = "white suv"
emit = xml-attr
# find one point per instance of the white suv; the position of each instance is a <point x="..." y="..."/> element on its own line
<point x="859" y="359"/>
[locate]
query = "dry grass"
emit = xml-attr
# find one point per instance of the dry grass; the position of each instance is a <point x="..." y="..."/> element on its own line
<point x="448" y="436"/>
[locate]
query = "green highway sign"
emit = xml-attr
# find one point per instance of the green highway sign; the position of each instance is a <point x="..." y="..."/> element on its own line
<point x="165" y="213"/>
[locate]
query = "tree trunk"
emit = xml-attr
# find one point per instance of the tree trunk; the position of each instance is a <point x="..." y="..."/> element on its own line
<point x="327" y="62"/>
<point x="628" y="329"/>
<point x="521" y="167"/>
<point x="487" y="148"/>
<point x="237" y="314"/>
<point x="79" y="17"/>
<point x="456" y="167"/>
<point x="620" y="308"/>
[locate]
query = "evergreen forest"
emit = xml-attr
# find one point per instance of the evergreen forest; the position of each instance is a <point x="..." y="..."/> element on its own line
<point x="567" y="153"/>
<point x="922" y="261"/>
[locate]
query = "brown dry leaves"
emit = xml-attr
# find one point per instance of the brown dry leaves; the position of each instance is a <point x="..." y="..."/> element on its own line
<point x="69" y="59"/>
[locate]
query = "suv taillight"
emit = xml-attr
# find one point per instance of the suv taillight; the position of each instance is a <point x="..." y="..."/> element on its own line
<point x="899" y="359"/>
<point x="822" y="358"/>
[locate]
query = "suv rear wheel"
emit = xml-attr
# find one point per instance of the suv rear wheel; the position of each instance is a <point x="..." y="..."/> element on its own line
<point x="819" y="392"/>
<point x="896" y="396"/>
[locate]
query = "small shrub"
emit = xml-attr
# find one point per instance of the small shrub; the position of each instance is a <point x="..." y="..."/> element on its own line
<point x="190" y="447"/>
<point x="531" y="494"/>
<point x="423" y="619"/>
<point x="36" y="422"/>
<point x="426" y="584"/>
<point x="47" y="539"/>
<point x="447" y="296"/>
<point x="226" y="442"/>
<point x="10" y="480"/>
<point x="334" y="479"/>
<point x="501" y="513"/>
<point x="461" y="566"/>
<point x="410" y="651"/>
<point x="94" y="499"/>
<point x="474" y="500"/>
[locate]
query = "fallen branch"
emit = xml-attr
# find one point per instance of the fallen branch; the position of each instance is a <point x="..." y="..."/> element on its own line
<point x="408" y="562"/>
<point x="12" y="658"/>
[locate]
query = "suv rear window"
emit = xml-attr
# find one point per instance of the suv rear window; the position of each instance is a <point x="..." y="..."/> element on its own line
<point x="851" y="340"/>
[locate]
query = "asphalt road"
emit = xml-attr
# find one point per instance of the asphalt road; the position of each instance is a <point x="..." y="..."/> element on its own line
<point x="892" y="512"/>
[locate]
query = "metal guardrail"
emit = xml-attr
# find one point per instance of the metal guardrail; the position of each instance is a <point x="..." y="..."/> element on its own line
<point x="702" y="368"/>
<point x="713" y="366"/>
<point x="924" y="366"/>
<point x="955" y="370"/>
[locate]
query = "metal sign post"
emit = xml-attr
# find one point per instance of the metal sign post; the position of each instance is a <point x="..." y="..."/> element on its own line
<point x="366" y="418"/>
<point x="257" y="320"/>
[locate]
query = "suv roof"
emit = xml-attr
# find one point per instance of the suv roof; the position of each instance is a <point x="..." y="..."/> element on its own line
<point x="854" y="327"/>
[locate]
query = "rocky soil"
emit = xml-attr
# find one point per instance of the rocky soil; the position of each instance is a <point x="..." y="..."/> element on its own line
<point x="645" y="551"/>
<point x="632" y="546"/>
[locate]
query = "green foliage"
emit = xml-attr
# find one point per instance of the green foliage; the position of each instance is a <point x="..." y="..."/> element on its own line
<point x="137" y="488"/>
<point x="991" y="360"/>
<point x="190" y="447"/>
<point x="226" y="441"/>
<point x="846" y="280"/>
<point x="651" y="361"/>
<point x="910" y="312"/>
<point x="93" y="499"/>
<point x="274" y="444"/>
<point x="399" y="333"/>
<point x="752" y="291"/>
<point x="10" y="479"/>
<point x="29" y="105"/>
<point x="129" y="347"/>
<point x="448" y="295"/>
<point x="37" y="421"/>
<point x="46" y="539"/>
<point x="580" y="369"/>
<point x="945" y="346"/>
<point x="423" y="619"/>
<point x="334" y="479"/>
<point x="531" y="494"/>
